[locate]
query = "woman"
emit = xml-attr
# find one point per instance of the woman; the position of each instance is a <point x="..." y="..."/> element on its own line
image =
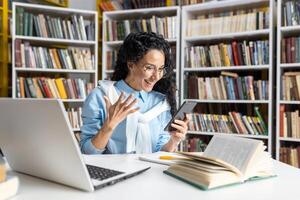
<point x="129" y="113"/>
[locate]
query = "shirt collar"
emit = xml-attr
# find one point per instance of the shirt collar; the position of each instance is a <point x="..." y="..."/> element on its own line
<point x="123" y="86"/>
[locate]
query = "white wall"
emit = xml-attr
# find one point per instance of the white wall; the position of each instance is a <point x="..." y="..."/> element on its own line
<point x="83" y="4"/>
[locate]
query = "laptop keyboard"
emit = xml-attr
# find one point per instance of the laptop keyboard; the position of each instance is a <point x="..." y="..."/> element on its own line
<point x="100" y="173"/>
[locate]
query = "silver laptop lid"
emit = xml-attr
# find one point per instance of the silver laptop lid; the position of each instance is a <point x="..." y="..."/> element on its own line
<point x="37" y="139"/>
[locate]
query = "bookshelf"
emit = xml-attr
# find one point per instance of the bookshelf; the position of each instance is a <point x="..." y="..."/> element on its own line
<point x="288" y="64"/>
<point x="221" y="70"/>
<point x="5" y="45"/>
<point x="112" y="44"/>
<point x="47" y="63"/>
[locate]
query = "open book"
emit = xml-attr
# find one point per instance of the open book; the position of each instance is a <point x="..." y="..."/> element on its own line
<point x="227" y="160"/>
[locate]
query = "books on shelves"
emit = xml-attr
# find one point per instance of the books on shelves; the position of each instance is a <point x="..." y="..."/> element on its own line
<point x="73" y="27"/>
<point x="289" y="123"/>
<point x="290" y="13"/>
<point x="27" y="56"/>
<point x="195" y="144"/>
<point x="226" y="87"/>
<point x="234" y="122"/>
<point x="290" y="87"/>
<point x="119" y="29"/>
<point x="61" y="88"/>
<point x="226" y="161"/>
<point x="290" y="48"/>
<point x="229" y="22"/>
<point x="9" y="187"/>
<point x="74" y="115"/>
<point x="228" y="54"/>
<point x="290" y="155"/>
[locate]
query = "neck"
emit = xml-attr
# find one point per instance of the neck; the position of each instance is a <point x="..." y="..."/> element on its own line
<point x="130" y="82"/>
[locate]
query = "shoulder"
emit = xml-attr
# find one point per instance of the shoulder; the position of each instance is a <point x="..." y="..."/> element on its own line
<point x="94" y="98"/>
<point x="156" y="97"/>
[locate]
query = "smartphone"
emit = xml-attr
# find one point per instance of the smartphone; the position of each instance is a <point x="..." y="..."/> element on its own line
<point x="186" y="107"/>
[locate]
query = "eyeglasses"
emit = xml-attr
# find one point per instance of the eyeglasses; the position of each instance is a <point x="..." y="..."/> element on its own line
<point x="151" y="69"/>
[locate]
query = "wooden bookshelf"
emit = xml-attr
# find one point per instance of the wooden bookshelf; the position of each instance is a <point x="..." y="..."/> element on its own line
<point x="5" y="43"/>
<point x="287" y="106"/>
<point x="217" y="35"/>
<point x="65" y="61"/>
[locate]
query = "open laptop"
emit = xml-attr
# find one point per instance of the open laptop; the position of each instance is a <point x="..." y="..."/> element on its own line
<point x="37" y="139"/>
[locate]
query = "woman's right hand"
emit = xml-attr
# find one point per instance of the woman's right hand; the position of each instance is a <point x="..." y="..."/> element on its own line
<point x="117" y="112"/>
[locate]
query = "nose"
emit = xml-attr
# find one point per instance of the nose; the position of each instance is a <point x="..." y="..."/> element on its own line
<point x="156" y="75"/>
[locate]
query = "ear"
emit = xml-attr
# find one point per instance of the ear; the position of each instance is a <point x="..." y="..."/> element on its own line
<point x="130" y="65"/>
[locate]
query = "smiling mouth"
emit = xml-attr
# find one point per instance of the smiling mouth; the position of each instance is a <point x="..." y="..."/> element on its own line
<point x="149" y="83"/>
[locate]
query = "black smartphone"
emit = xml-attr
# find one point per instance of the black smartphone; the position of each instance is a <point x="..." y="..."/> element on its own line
<point x="186" y="107"/>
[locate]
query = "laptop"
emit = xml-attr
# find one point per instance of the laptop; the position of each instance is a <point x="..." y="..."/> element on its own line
<point x="37" y="139"/>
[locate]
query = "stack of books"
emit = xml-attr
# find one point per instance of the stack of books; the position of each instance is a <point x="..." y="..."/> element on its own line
<point x="8" y="183"/>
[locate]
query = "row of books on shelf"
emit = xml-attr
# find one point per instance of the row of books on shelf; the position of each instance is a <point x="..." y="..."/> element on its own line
<point x="118" y="30"/>
<point x="290" y="50"/>
<point x="229" y="22"/>
<point x="60" y="88"/>
<point x="111" y="59"/>
<point x="194" y="144"/>
<point x="74" y="115"/>
<point x="234" y="122"/>
<point x="290" y="86"/>
<point x="134" y="4"/>
<point x="28" y="56"/>
<point x="289" y="123"/>
<point x="40" y="25"/>
<point x="234" y="54"/>
<point x="290" y="155"/>
<point x="291" y="13"/>
<point x="226" y="88"/>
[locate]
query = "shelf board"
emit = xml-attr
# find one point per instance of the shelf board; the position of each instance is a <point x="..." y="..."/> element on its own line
<point x="290" y="65"/>
<point x="19" y="69"/>
<point x="289" y="102"/>
<point x="256" y="33"/>
<point x="229" y="134"/>
<point x="56" y="40"/>
<point x="290" y="29"/>
<point x="289" y="139"/>
<point x="228" y="101"/>
<point x="72" y="100"/>
<point x="120" y="42"/>
<point x="121" y="14"/>
<point x="222" y="68"/>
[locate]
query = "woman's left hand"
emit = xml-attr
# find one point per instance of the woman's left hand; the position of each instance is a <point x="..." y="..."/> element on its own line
<point x="181" y="127"/>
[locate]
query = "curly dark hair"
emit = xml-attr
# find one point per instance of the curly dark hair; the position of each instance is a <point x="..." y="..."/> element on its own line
<point x="133" y="49"/>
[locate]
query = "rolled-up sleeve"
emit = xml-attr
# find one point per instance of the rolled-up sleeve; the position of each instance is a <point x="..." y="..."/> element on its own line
<point x="93" y="118"/>
<point x="164" y="136"/>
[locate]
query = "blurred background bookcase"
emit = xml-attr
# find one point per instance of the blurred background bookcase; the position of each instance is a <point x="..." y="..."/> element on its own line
<point x="5" y="40"/>
<point x="227" y="67"/>
<point x="118" y="24"/>
<point x="288" y="85"/>
<point x="55" y="55"/>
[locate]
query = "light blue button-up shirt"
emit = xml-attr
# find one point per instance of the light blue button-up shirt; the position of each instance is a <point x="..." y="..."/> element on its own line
<point x="94" y="115"/>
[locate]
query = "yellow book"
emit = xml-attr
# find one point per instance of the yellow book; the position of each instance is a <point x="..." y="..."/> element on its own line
<point x="61" y="88"/>
<point x="227" y="160"/>
<point x="2" y="170"/>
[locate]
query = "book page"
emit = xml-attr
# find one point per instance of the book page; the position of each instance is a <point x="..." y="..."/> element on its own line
<point x="233" y="150"/>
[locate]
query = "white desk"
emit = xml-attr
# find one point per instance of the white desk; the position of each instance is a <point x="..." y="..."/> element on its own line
<point x="154" y="185"/>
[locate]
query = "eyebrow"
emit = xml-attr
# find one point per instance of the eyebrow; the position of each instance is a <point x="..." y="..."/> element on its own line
<point x="154" y="65"/>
